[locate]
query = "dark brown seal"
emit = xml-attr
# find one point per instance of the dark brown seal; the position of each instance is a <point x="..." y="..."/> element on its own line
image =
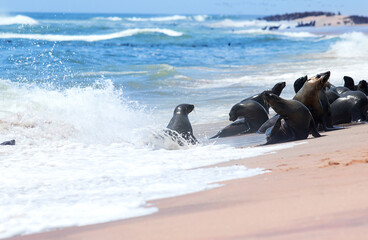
<point x="294" y="123"/>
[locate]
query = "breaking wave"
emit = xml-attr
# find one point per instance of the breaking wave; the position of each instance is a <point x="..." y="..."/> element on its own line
<point x="18" y="19"/>
<point x="90" y="38"/>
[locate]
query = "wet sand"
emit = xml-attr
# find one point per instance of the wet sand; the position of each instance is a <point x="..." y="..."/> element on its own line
<point x="315" y="190"/>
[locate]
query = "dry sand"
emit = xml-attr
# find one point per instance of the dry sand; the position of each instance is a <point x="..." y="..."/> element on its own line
<point x="316" y="190"/>
<point x="325" y="21"/>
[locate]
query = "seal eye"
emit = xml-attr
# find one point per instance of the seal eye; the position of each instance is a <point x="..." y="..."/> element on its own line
<point x="318" y="76"/>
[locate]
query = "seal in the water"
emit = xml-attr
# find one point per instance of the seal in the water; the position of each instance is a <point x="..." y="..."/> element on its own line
<point x="248" y="116"/>
<point x="310" y="95"/>
<point x="294" y="123"/>
<point x="351" y="106"/>
<point x="277" y="89"/>
<point x="180" y="124"/>
<point x="11" y="142"/>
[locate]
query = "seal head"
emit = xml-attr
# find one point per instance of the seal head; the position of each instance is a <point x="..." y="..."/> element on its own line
<point x="180" y="126"/>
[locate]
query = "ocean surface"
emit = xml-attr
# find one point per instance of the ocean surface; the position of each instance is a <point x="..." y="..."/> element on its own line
<point x="86" y="97"/>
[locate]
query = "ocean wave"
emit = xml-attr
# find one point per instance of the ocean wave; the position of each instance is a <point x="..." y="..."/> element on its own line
<point x="108" y="73"/>
<point x="229" y="23"/>
<point x="351" y="45"/>
<point x="18" y="19"/>
<point x="267" y="32"/>
<point x="200" y="18"/>
<point x="114" y="19"/>
<point x="157" y="19"/>
<point x="90" y="38"/>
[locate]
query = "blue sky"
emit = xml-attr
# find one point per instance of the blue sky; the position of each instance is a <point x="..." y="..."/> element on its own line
<point x="263" y="7"/>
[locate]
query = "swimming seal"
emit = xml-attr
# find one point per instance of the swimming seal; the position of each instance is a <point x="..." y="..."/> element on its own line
<point x="248" y="116"/>
<point x="11" y="142"/>
<point x="294" y="123"/>
<point x="315" y="99"/>
<point x="351" y="106"/>
<point x="179" y="125"/>
<point x="277" y="89"/>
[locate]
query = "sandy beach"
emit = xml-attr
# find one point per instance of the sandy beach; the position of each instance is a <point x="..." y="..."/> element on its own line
<point x="315" y="190"/>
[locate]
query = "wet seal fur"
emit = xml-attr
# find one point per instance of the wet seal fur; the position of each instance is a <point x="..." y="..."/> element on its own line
<point x="179" y="127"/>
<point x="294" y="123"/>
<point x="312" y="95"/>
<point x="326" y="118"/>
<point x="248" y="116"/>
<point x="351" y="106"/>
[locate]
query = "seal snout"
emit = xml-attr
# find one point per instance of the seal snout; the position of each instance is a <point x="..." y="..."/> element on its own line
<point x="326" y="75"/>
<point x="232" y="117"/>
<point x="267" y="96"/>
<point x="190" y="108"/>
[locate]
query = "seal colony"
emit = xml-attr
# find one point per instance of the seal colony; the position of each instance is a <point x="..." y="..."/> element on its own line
<point x="316" y="106"/>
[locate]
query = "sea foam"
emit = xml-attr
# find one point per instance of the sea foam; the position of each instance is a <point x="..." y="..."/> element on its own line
<point x="18" y="19"/>
<point x="281" y="33"/>
<point x="86" y="148"/>
<point x="90" y="38"/>
<point x="157" y="19"/>
<point x="351" y="45"/>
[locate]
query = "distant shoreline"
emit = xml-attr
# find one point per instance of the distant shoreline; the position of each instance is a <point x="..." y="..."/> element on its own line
<point x="319" y="19"/>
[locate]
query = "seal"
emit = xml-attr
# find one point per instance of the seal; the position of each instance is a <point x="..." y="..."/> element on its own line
<point x="11" y="142"/>
<point x="363" y="86"/>
<point x="298" y="84"/>
<point x="349" y="83"/>
<point x="331" y="96"/>
<point x="323" y="97"/>
<point x="339" y="90"/>
<point x="351" y="106"/>
<point x="313" y="96"/>
<point x="248" y="116"/>
<point x="294" y="123"/>
<point x="277" y="89"/>
<point x="179" y="125"/>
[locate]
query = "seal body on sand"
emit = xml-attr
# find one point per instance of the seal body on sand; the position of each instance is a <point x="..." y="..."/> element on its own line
<point x="339" y="90"/>
<point x="294" y="123"/>
<point x="331" y="96"/>
<point x="180" y="124"/>
<point x="314" y="97"/>
<point x="250" y="115"/>
<point x="277" y="89"/>
<point x="350" y="106"/>
<point x="269" y="123"/>
<point x="349" y="83"/>
<point x="363" y="86"/>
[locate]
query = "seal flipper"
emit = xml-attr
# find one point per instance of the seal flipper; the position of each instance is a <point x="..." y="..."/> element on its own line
<point x="240" y="126"/>
<point x="280" y="132"/>
<point x="313" y="129"/>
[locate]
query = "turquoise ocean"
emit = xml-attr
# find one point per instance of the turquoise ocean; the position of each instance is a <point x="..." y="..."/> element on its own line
<point x="86" y="95"/>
